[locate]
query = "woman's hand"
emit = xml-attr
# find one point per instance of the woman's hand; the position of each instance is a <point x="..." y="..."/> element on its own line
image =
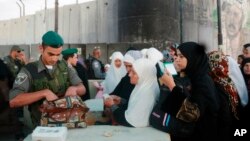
<point x="116" y="99"/>
<point x="108" y="102"/>
<point x="168" y="80"/>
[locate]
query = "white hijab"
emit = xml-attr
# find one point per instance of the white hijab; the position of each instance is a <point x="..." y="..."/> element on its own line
<point x="144" y="52"/>
<point x="114" y="74"/>
<point x="132" y="55"/>
<point x="154" y="55"/>
<point x="238" y="79"/>
<point x="144" y="95"/>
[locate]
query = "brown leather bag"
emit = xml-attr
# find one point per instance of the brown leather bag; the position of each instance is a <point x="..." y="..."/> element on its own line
<point x="67" y="111"/>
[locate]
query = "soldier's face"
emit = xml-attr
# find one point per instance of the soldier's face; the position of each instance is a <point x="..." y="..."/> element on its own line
<point x="50" y="55"/>
<point x="74" y="60"/>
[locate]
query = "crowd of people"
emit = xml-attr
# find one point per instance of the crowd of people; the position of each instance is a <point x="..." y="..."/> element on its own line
<point x="206" y="100"/>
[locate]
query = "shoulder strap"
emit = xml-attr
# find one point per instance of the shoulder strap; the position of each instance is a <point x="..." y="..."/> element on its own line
<point x="32" y="68"/>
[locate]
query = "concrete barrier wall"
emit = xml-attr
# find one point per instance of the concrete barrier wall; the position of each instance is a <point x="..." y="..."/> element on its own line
<point x="91" y="22"/>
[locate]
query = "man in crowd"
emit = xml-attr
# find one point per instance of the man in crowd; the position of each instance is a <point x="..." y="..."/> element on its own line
<point x="13" y="60"/>
<point x="95" y="66"/>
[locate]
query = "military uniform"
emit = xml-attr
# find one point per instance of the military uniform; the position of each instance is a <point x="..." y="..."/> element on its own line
<point x="81" y="71"/>
<point x="13" y="65"/>
<point x="96" y="69"/>
<point x="36" y="76"/>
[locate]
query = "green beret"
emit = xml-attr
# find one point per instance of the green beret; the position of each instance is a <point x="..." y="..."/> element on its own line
<point x="69" y="51"/>
<point x="52" y="39"/>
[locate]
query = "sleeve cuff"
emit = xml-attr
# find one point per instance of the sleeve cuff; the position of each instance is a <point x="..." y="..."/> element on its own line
<point x="114" y="107"/>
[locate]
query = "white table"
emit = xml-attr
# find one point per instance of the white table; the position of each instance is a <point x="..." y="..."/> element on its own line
<point x="118" y="133"/>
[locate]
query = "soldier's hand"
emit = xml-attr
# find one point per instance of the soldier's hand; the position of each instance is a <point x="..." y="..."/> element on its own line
<point x="50" y="96"/>
<point x="71" y="91"/>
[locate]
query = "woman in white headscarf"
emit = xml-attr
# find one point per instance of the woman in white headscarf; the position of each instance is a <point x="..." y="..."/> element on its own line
<point x="154" y="55"/>
<point x="115" y="73"/>
<point x="142" y="98"/>
<point x="124" y="88"/>
<point x="144" y="52"/>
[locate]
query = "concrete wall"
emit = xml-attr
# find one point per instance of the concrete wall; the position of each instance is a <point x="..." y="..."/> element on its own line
<point x="91" y="22"/>
<point x="96" y="22"/>
<point x="200" y="24"/>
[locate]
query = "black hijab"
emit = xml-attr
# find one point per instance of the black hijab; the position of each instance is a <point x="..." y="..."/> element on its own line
<point x="246" y="60"/>
<point x="197" y="60"/>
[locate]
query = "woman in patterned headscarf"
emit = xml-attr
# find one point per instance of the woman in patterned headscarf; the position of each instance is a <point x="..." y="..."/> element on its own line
<point x="223" y="73"/>
<point x="231" y="90"/>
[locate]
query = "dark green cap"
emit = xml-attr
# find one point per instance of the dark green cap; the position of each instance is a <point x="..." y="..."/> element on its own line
<point x="52" y="39"/>
<point x="16" y="48"/>
<point x="69" y="51"/>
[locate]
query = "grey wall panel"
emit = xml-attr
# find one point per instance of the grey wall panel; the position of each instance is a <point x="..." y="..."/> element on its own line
<point x="88" y="23"/>
<point x="29" y="29"/>
<point x="71" y="24"/>
<point x="50" y="20"/>
<point x="40" y="26"/>
<point x="107" y="21"/>
<point x="16" y="31"/>
<point x="2" y="35"/>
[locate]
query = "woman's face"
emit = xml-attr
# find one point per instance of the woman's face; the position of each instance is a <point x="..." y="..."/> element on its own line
<point x="133" y="77"/>
<point x="118" y="63"/>
<point x="246" y="68"/>
<point x="128" y="66"/>
<point x="181" y="61"/>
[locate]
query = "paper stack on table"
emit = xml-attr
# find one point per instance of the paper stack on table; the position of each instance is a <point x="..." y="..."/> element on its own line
<point x="49" y="134"/>
<point x="95" y="104"/>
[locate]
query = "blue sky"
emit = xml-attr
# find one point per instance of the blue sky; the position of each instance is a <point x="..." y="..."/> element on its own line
<point x="9" y="8"/>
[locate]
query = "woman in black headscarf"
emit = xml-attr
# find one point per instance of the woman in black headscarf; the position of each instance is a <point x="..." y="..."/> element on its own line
<point x="193" y="110"/>
<point x="244" y="115"/>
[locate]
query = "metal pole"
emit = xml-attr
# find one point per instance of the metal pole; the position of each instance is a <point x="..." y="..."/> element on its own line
<point x="20" y="8"/>
<point x="181" y="20"/>
<point x="23" y="7"/>
<point x="56" y="15"/>
<point x="220" y="39"/>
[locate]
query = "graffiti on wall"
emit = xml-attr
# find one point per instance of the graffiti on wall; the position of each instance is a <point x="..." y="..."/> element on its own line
<point x="234" y="24"/>
<point x="234" y="18"/>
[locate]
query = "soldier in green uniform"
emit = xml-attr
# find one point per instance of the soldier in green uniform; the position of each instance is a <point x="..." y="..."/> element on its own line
<point x="12" y="60"/>
<point x="48" y="78"/>
<point x="71" y="57"/>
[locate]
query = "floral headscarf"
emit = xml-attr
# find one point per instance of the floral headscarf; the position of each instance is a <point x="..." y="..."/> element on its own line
<point x="220" y="74"/>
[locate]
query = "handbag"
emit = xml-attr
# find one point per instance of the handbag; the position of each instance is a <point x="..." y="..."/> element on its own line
<point x="69" y="111"/>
